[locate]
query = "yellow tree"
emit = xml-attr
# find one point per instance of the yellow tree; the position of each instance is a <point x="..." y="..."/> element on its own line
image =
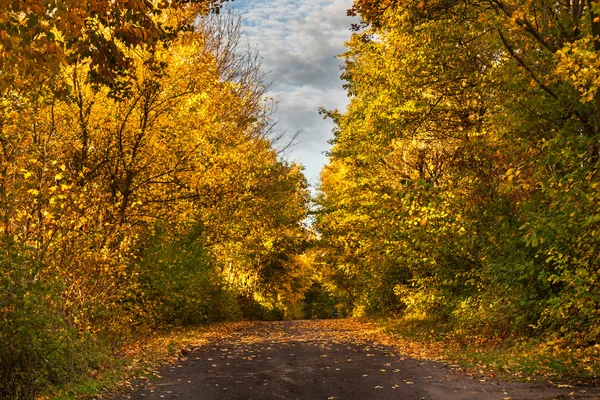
<point x="121" y="211"/>
<point x="38" y="36"/>
<point x="466" y="119"/>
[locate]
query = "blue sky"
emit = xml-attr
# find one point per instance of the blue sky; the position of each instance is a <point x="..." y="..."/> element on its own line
<point x="298" y="42"/>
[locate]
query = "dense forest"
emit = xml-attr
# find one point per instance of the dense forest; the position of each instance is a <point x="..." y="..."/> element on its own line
<point x="139" y="183"/>
<point x="463" y="184"/>
<point x="142" y="186"/>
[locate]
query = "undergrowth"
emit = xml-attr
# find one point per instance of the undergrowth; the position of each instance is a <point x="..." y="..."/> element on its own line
<point x="140" y="361"/>
<point x="510" y="358"/>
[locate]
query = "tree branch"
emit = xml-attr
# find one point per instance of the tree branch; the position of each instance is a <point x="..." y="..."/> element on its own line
<point x="526" y="24"/>
<point x="524" y="65"/>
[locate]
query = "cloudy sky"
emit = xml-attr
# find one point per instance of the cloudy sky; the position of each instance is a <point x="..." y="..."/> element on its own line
<point x="298" y="41"/>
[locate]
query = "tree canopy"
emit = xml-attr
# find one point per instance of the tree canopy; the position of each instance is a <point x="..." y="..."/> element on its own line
<point x="463" y="179"/>
<point x="38" y="37"/>
<point x="140" y="187"/>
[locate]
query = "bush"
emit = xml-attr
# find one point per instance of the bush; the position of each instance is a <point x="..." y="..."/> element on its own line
<point x="37" y="347"/>
<point x="179" y="283"/>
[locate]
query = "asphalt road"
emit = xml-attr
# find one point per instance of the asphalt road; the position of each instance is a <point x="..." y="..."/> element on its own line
<point x="310" y="360"/>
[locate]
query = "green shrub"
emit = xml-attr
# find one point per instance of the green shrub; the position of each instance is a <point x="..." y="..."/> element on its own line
<point x="37" y="347"/>
<point x="179" y="283"/>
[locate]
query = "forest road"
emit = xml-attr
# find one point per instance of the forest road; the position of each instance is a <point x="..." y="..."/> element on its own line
<point x="313" y="360"/>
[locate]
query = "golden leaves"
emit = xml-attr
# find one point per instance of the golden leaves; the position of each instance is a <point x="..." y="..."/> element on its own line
<point x="89" y="181"/>
<point x="464" y="148"/>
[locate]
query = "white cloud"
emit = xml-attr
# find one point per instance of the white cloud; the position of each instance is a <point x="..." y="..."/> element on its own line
<point x="299" y="42"/>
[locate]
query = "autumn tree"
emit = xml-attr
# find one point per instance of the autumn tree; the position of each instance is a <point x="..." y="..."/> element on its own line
<point x="39" y="36"/>
<point x="462" y="183"/>
<point x="123" y="213"/>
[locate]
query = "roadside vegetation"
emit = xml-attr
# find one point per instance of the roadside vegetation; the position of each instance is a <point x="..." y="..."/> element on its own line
<point x="515" y="359"/>
<point x="140" y="185"/>
<point x="462" y="194"/>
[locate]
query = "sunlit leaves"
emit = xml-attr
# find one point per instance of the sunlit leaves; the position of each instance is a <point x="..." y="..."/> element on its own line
<point x="39" y="36"/>
<point x="162" y="206"/>
<point x="468" y="155"/>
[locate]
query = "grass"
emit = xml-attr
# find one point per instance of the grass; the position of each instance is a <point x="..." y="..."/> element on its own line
<point x="515" y="358"/>
<point x="139" y="361"/>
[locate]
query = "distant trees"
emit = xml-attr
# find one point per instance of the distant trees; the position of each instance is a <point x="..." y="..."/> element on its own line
<point x="463" y="180"/>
